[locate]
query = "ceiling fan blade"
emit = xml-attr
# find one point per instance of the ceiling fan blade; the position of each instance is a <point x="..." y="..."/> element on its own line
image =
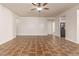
<point x="34" y="4"/>
<point x="46" y="8"/>
<point x="45" y="4"/>
<point x="33" y="9"/>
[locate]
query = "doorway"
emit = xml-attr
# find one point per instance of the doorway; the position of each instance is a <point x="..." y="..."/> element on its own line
<point x="62" y="29"/>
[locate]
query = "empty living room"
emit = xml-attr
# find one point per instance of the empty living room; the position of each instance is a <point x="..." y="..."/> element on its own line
<point x="39" y="29"/>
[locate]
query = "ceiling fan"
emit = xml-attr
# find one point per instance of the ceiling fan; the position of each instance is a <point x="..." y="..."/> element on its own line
<point x="40" y="6"/>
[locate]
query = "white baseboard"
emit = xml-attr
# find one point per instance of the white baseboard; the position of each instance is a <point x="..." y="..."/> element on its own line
<point x="7" y="40"/>
<point x="72" y="41"/>
<point x="33" y="35"/>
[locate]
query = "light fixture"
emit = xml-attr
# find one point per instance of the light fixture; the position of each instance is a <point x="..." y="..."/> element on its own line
<point x="39" y="8"/>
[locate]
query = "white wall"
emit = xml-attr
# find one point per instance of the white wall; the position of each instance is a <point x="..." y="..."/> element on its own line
<point x="57" y="27"/>
<point x="49" y="27"/>
<point x="77" y="25"/>
<point x="32" y="26"/>
<point x="53" y="28"/>
<point x="71" y="24"/>
<point x="7" y="25"/>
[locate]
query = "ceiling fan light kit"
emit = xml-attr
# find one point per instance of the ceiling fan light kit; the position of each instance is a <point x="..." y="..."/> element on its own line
<point x="39" y="8"/>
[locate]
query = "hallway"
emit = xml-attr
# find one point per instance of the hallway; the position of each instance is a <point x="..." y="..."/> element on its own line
<point x="39" y="46"/>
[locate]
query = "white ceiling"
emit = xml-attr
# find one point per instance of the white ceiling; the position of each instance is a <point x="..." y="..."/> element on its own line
<point x="24" y="9"/>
